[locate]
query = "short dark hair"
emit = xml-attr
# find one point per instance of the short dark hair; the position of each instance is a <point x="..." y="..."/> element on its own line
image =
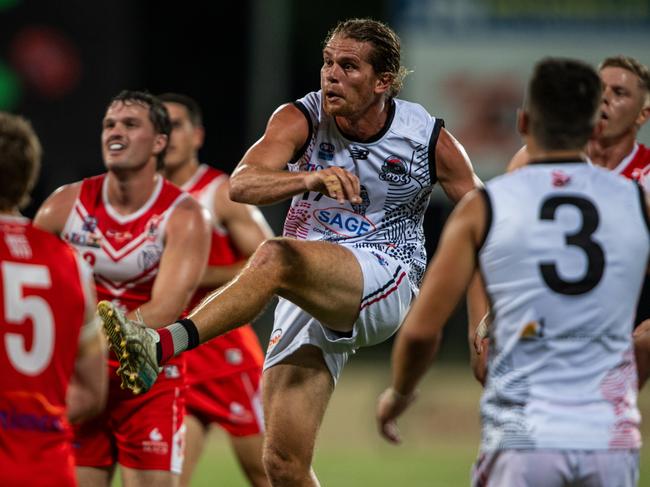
<point x="190" y="104"/>
<point x="386" y="53"/>
<point x="632" y="65"/>
<point x="562" y="101"/>
<point x="20" y="161"/>
<point x="157" y="114"/>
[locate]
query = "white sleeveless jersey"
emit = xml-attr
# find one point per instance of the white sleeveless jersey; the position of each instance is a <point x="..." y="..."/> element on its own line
<point x="564" y="257"/>
<point x="124" y="250"/>
<point x="396" y="170"/>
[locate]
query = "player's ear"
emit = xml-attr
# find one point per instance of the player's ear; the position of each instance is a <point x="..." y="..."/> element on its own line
<point x="159" y="143"/>
<point x="644" y="114"/>
<point x="384" y="82"/>
<point x="198" y="137"/>
<point x="523" y="122"/>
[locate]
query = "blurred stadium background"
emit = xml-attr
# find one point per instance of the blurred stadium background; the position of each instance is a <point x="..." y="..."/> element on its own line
<point x="60" y="63"/>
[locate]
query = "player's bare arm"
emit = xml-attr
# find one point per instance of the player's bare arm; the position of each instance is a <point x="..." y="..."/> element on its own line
<point x="86" y="396"/>
<point x="187" y="243"/>
<point x="641" y="347"/>
<point x="456" y="176"/>
<point x="54" y="211"/>
<point x="478" y="325"/>
<point x="247" y="229"/>
<point x="245" y="223"/>
<point x="260" y="179"/>
<point x="88" y="389"/>
<point x="443" y="285"/>
<point x="453" y="167"/>
<point x="642" y="335"/>
<point x="478" y="322"/>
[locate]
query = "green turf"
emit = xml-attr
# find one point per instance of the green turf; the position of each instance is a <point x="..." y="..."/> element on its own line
<point x="441" y="434"/>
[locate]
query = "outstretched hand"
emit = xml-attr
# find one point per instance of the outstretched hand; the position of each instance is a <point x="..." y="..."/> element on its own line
<point x="390" y="405"/>
<point x="336" y="183"/>
<point x="481" y="343"/>
<point x="481" y="334"/>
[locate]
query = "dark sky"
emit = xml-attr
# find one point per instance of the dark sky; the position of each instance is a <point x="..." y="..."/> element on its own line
<point x="126" y="44"/>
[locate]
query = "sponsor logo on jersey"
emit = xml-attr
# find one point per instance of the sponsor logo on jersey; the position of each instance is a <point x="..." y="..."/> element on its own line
<point x="365" y="202"/>
<point x="11" y="420"/>
<point x="358" y="153"/>
<point x="155" y="435"/>
<point x="236" y="408"/>
<point x="532" y="330"/>
<point x="326" y="151"/>
<point x="152" y="227"/>
<point x="155" y="444"/>
<point x="89" y="224"/>
<point x="343" y="221"/>
<point x="234" y="356"/>
<point x="311" y="167"/>
<point x="394" y="170"/>
<point x="149" y="257"/>
<point x="239" y="414"/>
<point x="83" y="239"/>
<point x="560" y="178"/>
<point x="275" y="338"/>
<point x="171" y="371"/>
<point x="118" y="236"/>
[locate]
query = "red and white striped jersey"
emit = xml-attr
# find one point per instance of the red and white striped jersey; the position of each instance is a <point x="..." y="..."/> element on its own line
<point x="124" y="250"/>
<point x="203" y="186"/>
<point x="636" y="166"/>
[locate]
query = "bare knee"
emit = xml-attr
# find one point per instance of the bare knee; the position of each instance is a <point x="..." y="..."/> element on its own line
<point x="277" y="254"/>
<point x="285" y="468"/>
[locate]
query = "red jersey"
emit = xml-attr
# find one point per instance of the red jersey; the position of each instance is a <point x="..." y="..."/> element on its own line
<point x="238" y="349"/>
<point x="42" y="312"/>
<point x="124" y="250"/>
<point x="636" y="166"/>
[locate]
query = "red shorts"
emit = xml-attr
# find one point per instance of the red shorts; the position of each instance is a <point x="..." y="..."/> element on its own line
<point x="143" y="432"/>
<point x="234" y="402"/>
<point x="35" y="461"/>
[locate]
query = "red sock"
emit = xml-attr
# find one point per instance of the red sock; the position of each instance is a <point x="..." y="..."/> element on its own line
<point x="165" y="347"/>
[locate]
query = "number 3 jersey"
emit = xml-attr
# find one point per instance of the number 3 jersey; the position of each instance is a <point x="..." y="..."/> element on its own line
<point x="565" y="252"/>
<point x="396" y="169"/>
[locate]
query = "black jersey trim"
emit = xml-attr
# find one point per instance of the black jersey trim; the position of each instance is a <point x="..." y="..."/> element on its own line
<point x="644" y="207"/>
<point x="488" y="218"/>
<point x="378" y="135"/>
<point x="555" y="160"/>
<point x="303" y="149"/>
<point x="433" y="141"/>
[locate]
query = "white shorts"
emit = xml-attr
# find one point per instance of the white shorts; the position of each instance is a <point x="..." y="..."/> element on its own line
<point x="557" y="468"/>
<point x="386" y="298"/>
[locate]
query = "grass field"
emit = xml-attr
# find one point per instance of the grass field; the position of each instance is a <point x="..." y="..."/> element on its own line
<point x="441" y="433"/>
